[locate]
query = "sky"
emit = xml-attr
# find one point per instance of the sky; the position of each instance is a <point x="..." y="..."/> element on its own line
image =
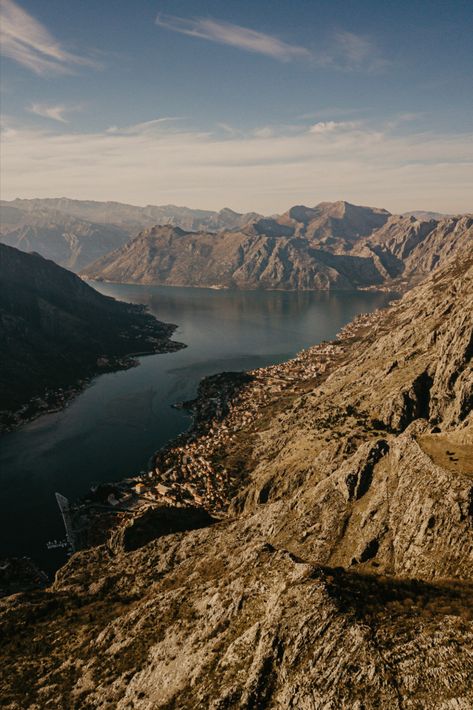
<point x="253" y="105"/>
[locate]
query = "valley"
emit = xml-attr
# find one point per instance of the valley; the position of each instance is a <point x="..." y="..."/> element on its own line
<point x="344" y="535"/>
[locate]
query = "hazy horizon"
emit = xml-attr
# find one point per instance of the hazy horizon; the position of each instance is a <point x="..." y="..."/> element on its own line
<point x="224" y="207"/>
<point x="249" y="105"/>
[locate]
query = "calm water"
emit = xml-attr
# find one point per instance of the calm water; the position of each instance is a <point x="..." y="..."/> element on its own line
<point x="113" y="427"/>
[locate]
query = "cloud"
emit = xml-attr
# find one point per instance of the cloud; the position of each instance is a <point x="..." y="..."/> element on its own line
<point x="28" y="42"/>
<point x="263" y="132"/>
<point x="341" y="51"/>
<point x="234" y="35"/>
<point x="354" y="47"/>
<point x="365" y="164"/>
<point x="144" y="126"/>
<point x="56" y="113"/>
<point x="332" y="126"/>
<point x="228" y="129"/>
<point x="333" y="112"/>
<point x="356" y="52"/>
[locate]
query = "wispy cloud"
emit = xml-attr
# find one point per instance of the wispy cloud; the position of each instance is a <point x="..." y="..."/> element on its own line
<point x="332" y="126"/>
<point x="354" y="52"/>
<point x="354" y="47"/>
<point x="367" y="164"/>
<point x="56" y="113"/>
<point x="28" y="42"/>
<point x="234" y="35"/>
<point x="331" y="112"/>
<point x="341" y="50"/>
<point x="145" y="126"/>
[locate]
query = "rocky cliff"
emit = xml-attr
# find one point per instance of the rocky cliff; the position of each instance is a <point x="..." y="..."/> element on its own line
<point x="410" y="248"/>
<point x="55" y="330"/>
<point x="340" y="576"/>
<point x="331" y="246"/>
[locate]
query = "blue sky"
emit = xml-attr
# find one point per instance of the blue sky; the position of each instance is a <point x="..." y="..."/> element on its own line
<point x="254" y="105"/>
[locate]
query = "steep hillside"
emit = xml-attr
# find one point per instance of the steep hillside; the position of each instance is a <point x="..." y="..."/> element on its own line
<point x="54" y="330"/>
<point x="69" y="241"/>
<point x="168" y="255"/>
<point x="341" y="577"/>
<point x="411" y="249"/>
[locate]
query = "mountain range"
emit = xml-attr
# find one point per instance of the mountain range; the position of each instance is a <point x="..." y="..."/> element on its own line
<point x="330" y="246"/>
<point x="73" y="233"/>
<point x="340" y="575"/>
<point x="69" y="241"/>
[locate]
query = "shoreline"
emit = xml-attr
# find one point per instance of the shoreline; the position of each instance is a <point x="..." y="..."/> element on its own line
<point x="206" y="465"/>
<point x="381" y="289"/>
<point x="55" y="399"/>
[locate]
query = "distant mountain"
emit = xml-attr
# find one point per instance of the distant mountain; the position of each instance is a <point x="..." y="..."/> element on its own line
<point x="330" y="246"/>
<point x="132" y="217"/>
<point x="74" y="233"/>
<point x="305" y="249"/>
<point x="55" y="329"/>
<point x="335" y="225"/>
<point x="425" y="215"/>
<point x="69" y="241"/>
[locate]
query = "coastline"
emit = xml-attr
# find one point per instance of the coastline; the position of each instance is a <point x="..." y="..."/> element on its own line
<point x="379" y="288"/>
<point x="54" y="399"/>
<point x="207" y="465"/>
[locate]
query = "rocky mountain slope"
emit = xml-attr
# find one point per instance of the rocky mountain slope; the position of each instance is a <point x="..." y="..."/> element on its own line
<point x="331" y="246"/>
<point x="410" y="249"/>
<point x="132" y="217"/>
<point x="341" y="575"/>
<point x="168" y="255"/>
<point x="55" y="329"/>
<point x="69" y="241"/>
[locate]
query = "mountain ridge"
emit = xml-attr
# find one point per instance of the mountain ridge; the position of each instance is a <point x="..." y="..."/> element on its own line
<point x="330" y="246"/>
<point x="74" y="233"/>
<point x="124" y="214"/>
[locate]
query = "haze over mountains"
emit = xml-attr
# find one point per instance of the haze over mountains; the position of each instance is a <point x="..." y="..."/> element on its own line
<point x="73" y="233"/>
<point x="132" y="216"/>
<point x="69" y="241"/>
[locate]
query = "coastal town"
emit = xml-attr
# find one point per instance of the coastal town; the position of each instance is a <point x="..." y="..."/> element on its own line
<point x="195" y="470"/>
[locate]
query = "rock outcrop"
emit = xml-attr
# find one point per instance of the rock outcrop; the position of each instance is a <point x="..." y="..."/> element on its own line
<point x="411" y="248"/>
<point x="341" y="576"/>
